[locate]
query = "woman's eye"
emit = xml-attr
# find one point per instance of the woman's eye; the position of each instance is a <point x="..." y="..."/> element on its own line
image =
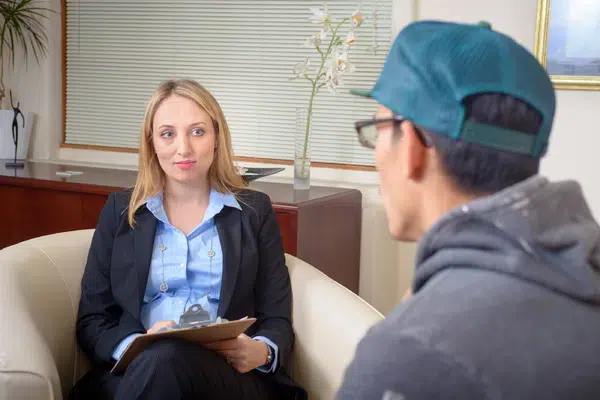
<point x="198" y="131"/>
<point x="166" y="134"/>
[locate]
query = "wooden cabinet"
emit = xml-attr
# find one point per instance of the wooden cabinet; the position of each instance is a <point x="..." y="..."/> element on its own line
<point x="321" y="226"/>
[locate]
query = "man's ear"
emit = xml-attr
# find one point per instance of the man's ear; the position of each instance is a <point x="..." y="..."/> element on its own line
<point x="413" y="154"/>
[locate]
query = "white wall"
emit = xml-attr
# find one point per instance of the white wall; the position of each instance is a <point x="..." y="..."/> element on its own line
<point x="386" y="266"/>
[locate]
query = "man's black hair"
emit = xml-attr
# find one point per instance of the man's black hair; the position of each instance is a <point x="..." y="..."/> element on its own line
<point x="478" y="169"/>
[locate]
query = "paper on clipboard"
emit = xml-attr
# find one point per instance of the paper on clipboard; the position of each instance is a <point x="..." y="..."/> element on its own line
<point x="200" y="334"/>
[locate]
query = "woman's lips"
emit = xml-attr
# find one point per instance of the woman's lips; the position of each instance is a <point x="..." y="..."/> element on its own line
<point x="184" y="164"/>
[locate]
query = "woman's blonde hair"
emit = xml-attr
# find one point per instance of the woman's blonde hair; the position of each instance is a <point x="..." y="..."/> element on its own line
<point x="222" y="174"/>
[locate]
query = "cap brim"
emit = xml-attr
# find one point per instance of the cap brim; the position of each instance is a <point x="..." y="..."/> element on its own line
<point x="362" y="93"/>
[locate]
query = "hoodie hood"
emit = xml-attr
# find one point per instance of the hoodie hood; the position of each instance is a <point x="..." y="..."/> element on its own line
<point x="538" y="231"/>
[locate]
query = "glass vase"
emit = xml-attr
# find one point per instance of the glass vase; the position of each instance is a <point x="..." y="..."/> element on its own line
<point x="302" y="150"/>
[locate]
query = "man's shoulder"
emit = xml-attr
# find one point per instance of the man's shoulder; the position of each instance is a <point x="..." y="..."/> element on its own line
<point x="393" y="362"/>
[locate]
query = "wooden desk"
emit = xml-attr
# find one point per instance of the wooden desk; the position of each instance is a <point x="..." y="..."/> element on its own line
<point x="321" y="226"/>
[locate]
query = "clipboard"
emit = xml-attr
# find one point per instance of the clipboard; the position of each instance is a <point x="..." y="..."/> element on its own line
<point x="199" y="334"/>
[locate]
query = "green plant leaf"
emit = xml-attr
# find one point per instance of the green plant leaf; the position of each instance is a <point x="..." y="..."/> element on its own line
<point x="21" y="25"/>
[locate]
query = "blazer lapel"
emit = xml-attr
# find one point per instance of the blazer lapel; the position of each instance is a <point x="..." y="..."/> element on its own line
<point x="144" y="231"/>
<point x="229" y="227"/>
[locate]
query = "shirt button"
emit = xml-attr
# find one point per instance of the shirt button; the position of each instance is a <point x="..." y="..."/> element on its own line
<point x="182" y="265"/>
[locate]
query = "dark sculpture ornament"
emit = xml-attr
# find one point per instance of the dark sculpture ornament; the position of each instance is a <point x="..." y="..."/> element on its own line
<point x="15" y="133"/>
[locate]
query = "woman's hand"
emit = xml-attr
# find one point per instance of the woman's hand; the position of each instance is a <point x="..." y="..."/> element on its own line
<point x="243" y="353"/>
<point x="161" y="324"/>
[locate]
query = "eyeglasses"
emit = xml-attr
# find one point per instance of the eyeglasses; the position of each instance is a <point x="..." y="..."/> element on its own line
<point x="368" y="132"/>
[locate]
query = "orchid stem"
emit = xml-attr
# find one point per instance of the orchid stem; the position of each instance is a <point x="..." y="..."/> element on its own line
<point x="315" y="90"/>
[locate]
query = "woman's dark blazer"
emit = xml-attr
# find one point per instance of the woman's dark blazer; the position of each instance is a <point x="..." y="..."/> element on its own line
<point x="256" y="281"/>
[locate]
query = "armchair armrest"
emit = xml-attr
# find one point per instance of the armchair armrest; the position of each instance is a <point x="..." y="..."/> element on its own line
<point x="329" y="321"/>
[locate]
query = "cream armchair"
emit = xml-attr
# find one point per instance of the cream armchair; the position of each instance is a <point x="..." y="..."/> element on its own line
<point x="39" y="295"/>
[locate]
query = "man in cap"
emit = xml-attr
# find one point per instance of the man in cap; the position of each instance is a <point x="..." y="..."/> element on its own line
<point x="506" y="294"/>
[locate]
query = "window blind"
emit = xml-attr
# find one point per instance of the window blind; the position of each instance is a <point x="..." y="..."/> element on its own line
<point x="244" y="52"/>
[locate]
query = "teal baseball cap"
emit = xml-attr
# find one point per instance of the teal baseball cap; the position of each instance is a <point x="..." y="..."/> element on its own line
<point x="433" y="66"/>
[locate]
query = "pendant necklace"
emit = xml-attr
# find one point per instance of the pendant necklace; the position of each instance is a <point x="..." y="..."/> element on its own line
<point x="163" y="285"/>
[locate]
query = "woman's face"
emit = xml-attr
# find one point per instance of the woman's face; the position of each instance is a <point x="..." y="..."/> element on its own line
<point x="184" y="140"/>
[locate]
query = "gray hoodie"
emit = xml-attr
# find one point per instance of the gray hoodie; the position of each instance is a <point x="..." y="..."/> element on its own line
<point x="506" y="305"/>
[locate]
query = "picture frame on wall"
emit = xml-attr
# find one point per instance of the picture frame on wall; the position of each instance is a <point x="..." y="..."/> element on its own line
<point x="567" y="42"/>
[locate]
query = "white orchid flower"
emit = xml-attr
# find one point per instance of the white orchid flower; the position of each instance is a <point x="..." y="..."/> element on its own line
<point x="320" y="16"/>
<point x="301" y="68"/>
<point x="340" y="53"/>
<point x="316" y="39"/>
<point x="332" y="80"/>
<point x="345" y="67"/>
<point x="351" y="37"/>
<point x="340" y="61"/>
<point x="357" y="19"/>
<point x="333" y="76"/>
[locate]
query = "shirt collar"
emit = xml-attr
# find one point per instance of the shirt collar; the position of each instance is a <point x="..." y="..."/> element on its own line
<point x="216" y="202"/>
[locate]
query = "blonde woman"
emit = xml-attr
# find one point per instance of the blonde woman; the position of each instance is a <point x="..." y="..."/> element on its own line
<point x="190" y="232"/>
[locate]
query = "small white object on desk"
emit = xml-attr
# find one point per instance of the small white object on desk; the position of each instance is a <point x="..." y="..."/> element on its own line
<point x="68" y="174"/>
